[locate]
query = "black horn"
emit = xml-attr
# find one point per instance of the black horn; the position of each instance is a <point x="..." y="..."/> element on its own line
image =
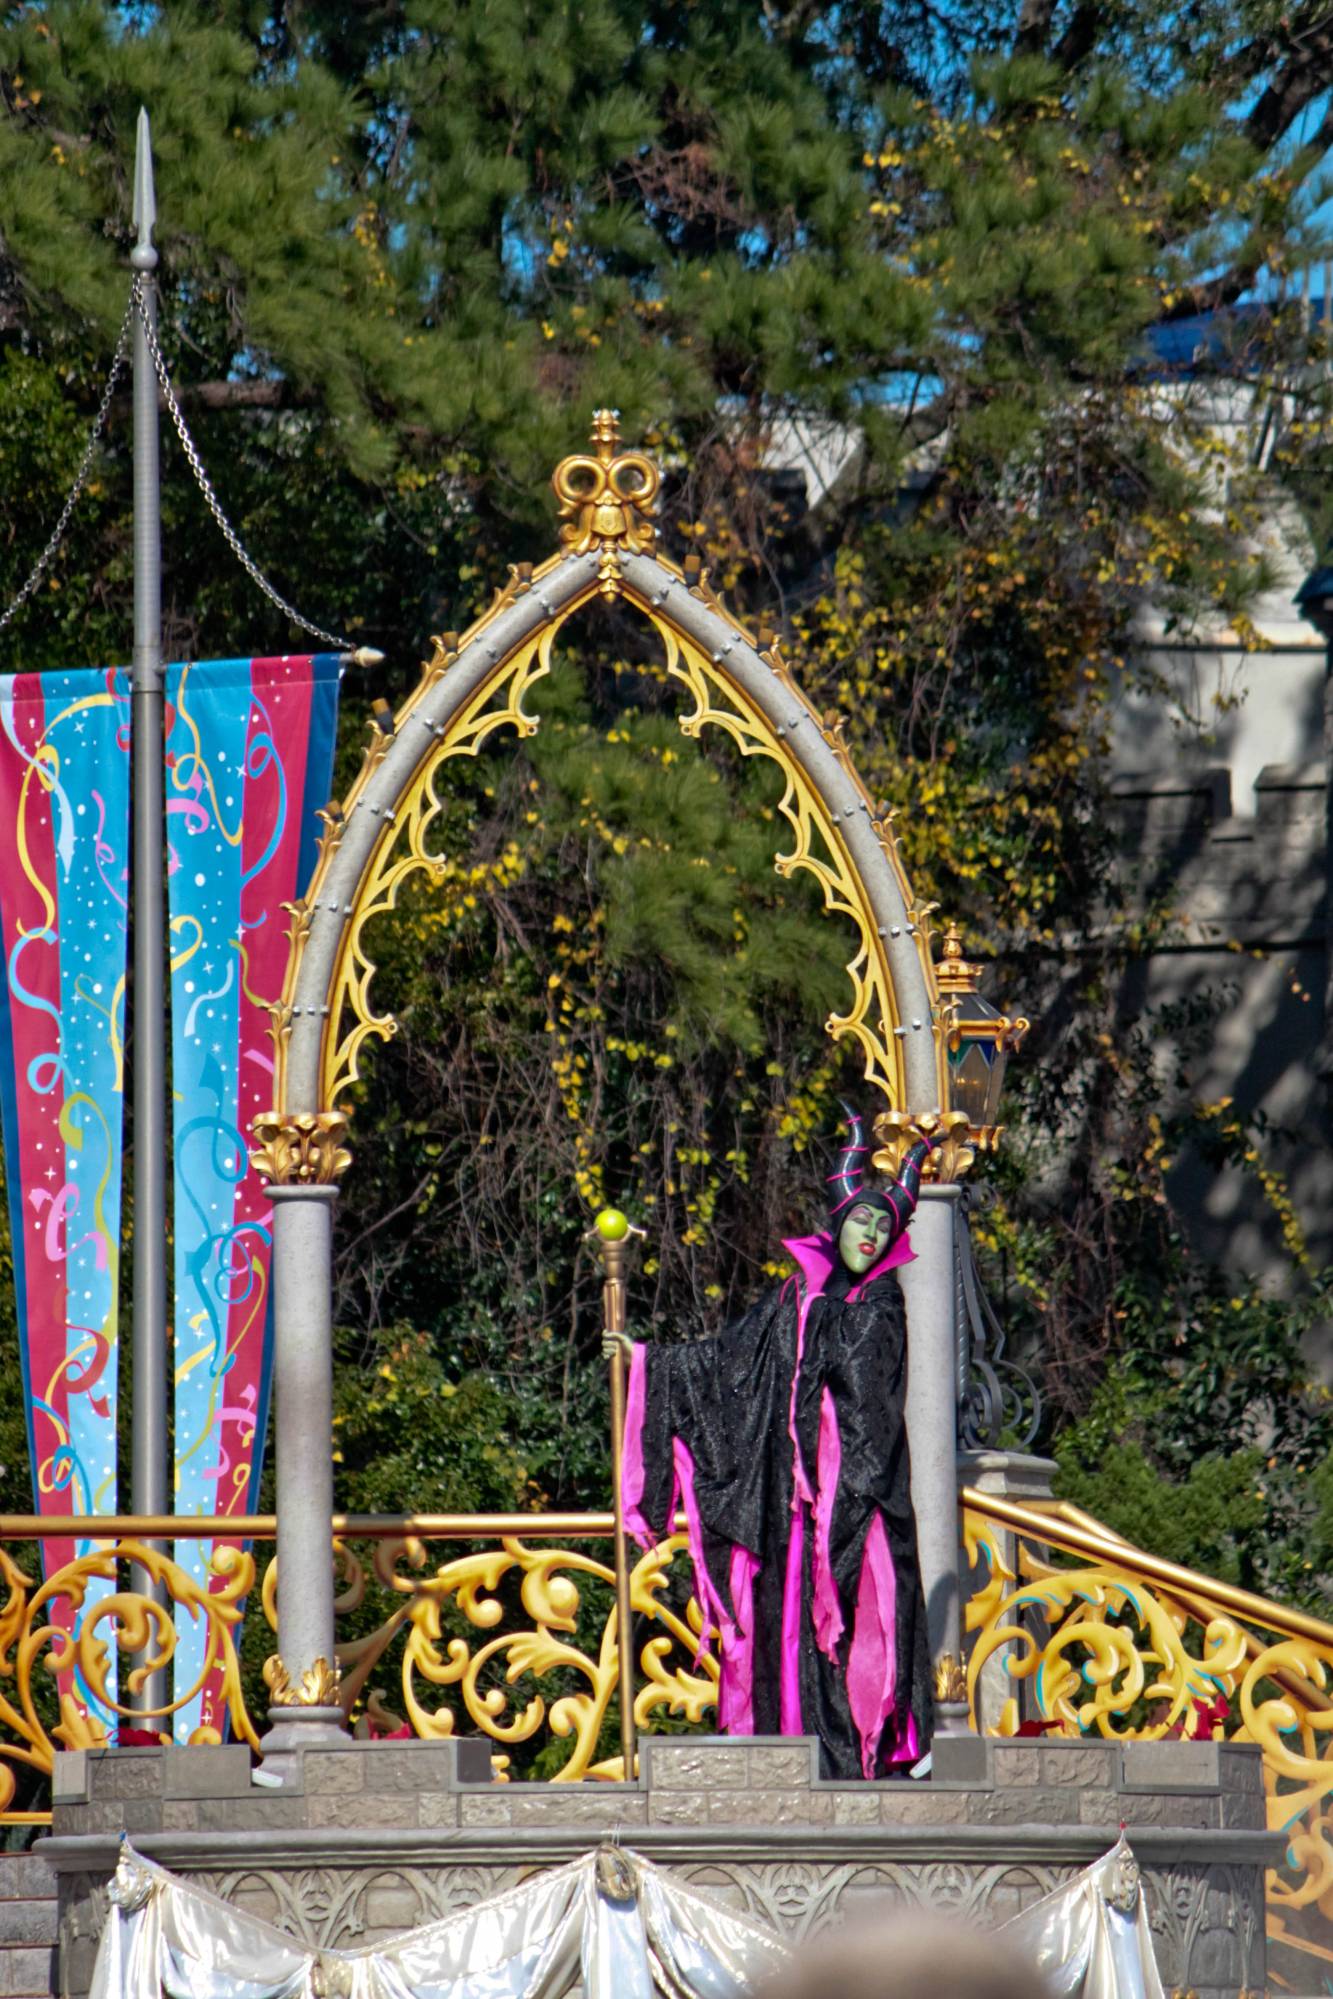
<point x="849" y="1172"/>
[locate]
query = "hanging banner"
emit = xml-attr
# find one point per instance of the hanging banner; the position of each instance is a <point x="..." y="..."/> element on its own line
<point x="249" y="764"/>
<point x="64" y="808"/>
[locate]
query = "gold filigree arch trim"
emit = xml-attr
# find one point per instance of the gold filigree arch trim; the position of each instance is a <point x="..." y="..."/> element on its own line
<point x="873" y="1016"/>
<point x="474" y="687"/>
<point x="403" y="848"/>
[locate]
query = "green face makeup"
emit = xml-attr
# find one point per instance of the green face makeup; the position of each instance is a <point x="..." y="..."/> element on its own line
<point x="863" y="1237"/>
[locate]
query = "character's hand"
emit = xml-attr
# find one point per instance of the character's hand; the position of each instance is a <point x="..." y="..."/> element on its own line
<point x="617" y="1343"/>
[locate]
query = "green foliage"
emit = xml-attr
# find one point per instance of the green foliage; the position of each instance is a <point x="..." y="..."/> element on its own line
<point x="402" y="1425"/>
<point x="1201" y="1520"/>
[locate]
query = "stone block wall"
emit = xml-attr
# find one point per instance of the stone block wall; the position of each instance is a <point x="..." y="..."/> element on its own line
<point x="27" y="1927"/>
<point x="1246" y="875"/>
<point x="374" y="1838"/>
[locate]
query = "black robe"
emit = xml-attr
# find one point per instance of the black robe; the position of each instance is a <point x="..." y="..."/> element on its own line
<point x="784" y="1440"/>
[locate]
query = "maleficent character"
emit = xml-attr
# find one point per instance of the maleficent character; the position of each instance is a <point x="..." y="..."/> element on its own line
<point x="783" y="1440"/>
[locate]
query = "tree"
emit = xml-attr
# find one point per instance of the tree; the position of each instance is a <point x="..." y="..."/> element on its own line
<point x="406" y="248"/>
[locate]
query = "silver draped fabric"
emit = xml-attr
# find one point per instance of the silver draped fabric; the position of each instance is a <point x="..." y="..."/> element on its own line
<point x="1091" y="1939"/>
<point x="607" y="1926"/>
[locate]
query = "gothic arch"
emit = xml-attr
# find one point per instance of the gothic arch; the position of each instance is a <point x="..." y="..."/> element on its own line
<point x="475" y="685"/>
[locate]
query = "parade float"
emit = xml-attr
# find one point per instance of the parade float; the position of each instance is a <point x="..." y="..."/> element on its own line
<point x="1126" y="1755"/>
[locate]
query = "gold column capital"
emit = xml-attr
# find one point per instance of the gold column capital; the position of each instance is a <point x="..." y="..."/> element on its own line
<point x="300" y="1148"/>
<point x="898" y="1131"/>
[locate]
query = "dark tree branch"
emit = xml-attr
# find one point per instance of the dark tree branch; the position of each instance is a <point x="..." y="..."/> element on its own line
<point x="1080" y="37"/>
<point x="1034" y="25"/>
<point x="267" y="395"/>
<point x="1303" y="77"/>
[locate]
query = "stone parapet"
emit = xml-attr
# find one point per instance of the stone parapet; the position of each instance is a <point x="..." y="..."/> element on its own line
<point x="373" y="1838"/>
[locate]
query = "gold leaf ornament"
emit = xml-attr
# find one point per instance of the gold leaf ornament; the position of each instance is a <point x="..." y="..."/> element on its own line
<point x="317" y="1686"/>
<point x="301" y="1148"/>
<point x="950" y="1679"/>
<point x="897" y="1132"/>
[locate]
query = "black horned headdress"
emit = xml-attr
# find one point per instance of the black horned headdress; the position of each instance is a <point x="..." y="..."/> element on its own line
<point x="847" y="1181"/>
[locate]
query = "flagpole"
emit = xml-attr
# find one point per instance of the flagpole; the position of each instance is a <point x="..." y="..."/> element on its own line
<point x="150" y="1481"/>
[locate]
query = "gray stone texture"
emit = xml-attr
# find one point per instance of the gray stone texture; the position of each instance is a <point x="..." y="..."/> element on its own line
<point x="28" y="1926"/>
<point x="28" y="1922"/>
<point x="368" y="1840"/>
<point x="125" y="1773"/>
<point x="930" y="1292"/>
<point x="216" y="1772"/>
<point x="963" y="1759"/>
<point x="27" y="1973"/>
<point x="25" y="1877"/>
<point x="1178" y="1766"/>
<point x="1245" y="865"/>
<point x="303" y="1393"/>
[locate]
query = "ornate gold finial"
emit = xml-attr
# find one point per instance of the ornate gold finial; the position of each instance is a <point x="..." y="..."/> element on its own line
<point x="607" y="500"/>
<point x="300" y="1148"/>
<point x="954" y="974"/>
<point x="1122" y="1890"/>
<point x="317" y="1687"/>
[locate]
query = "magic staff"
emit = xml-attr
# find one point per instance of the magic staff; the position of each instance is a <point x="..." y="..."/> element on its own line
<point x="613" y="1233"/>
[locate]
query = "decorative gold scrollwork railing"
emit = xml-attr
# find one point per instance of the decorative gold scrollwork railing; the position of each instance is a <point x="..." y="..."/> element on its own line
<point x="1089" y="1635"/>
<point x="544" y="1674"/>
<point x="50" y="1644"/>
<point x="514" y="1637"/>
<point x="566" y="1629"/>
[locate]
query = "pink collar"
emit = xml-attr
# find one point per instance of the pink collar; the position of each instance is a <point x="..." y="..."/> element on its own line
<point x="817" y="1257"/>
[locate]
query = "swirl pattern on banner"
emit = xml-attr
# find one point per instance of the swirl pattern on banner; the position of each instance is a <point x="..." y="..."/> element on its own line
<point x="249" y="764"/>
<point x="64" y="795"/>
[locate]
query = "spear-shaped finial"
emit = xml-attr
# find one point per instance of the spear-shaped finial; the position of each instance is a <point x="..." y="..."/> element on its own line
<point x="605" y="434"/>
<point x="144" y="215"/>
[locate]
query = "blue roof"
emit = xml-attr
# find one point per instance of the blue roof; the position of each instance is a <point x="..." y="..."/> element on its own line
<point x="1227" y="335"/>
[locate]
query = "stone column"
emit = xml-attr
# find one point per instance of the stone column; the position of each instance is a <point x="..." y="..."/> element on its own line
<point x="930" y="1287"/>
<point x="1019" y="1476"/>
<point x="302" y="1156"/>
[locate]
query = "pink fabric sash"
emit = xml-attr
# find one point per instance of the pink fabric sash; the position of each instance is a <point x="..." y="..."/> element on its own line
<point x="735" y="1703"/>
<point x="789" y="1691"/>
<point x="827" y="1608"/>
<point x="872" y="1663"/>
<point x="631" y="1457"/>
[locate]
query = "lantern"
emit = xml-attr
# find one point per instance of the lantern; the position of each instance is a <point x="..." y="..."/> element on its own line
<point x="979" y="1040"/>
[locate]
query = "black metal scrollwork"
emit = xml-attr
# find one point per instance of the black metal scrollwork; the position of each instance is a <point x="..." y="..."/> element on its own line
<point x="999" y="1404"/>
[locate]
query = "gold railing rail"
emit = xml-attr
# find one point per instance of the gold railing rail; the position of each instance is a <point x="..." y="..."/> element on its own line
<point x="1065" y="1527"/>
<point x="264" y="1526"/>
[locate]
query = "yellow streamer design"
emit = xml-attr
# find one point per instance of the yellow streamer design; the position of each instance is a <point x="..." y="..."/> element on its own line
<point x="183" y="957"/>
<point x="73" y="1135"/>
<point x="255" y="999"/>
<point x="109" y="1015"/>
<point x="195" y="759"/>
<point x="45" y="766"/>
<point x="43" y="756"/>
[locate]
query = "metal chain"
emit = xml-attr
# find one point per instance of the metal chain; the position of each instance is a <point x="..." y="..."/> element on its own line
<point x="139" y="301"/>
<point x="43" y="561"/>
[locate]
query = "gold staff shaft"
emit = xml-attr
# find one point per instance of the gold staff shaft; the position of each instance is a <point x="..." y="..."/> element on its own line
<point x="613" y="1313"/>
